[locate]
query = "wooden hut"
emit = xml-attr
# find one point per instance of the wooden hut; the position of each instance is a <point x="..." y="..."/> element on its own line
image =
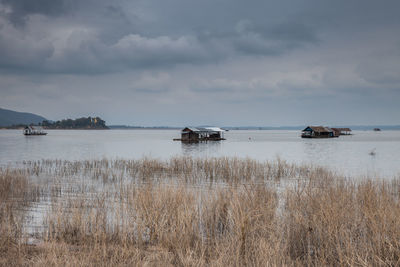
<point x="342" y="131"/>
<point x="192" y="134"/>
<point x="318" y="132"/>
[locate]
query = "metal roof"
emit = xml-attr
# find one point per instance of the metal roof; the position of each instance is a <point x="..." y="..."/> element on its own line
<point x="192" y="129"/>
<point x="202" y="129"/>
<point x="215" y="129"/>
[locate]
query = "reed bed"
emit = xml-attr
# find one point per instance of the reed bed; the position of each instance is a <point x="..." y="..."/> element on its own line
<point x="198" y="212"/>
<point x="232" y="171"/>
<point x="16" y="195"/>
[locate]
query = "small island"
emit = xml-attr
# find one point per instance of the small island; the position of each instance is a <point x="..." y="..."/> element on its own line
<point x="80" y="123"/>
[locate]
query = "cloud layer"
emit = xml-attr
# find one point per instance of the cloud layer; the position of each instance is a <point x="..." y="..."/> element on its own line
<point x="240" y="59"/>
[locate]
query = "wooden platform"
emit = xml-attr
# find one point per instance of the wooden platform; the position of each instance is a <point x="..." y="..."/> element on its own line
<point x="319" y="136"/>
<point x="199" y="140"/>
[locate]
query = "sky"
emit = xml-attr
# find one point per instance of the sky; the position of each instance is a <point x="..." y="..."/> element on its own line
<point x="208" y="62"/>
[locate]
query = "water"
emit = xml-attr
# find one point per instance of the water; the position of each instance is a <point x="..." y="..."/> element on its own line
<point x="349" y="155"/>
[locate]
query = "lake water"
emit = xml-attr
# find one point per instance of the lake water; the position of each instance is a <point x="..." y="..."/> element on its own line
<point x="349" y="155"/>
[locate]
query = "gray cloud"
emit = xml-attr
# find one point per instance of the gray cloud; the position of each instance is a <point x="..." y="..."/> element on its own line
<point x="382" y="69"/>
<point x="244" y="59"/>
<point x="21" y="9"/>
<point x="118" y="40"/>
<point x="270" y="41"/>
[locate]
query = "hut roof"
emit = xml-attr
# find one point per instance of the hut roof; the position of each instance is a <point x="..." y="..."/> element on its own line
<point x="342" y="129"/>
<point x="202" y="129"/>
<point x="319" y="129"/>
<point x="190" y="129"/>
<point x="213" y="129"/>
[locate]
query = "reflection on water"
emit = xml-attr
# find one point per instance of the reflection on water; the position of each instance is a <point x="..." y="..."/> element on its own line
<point x="204" y="148"/>
<point x="347" y="154"/>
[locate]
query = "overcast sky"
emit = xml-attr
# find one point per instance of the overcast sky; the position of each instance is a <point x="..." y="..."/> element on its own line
<point x="203" y="62"/>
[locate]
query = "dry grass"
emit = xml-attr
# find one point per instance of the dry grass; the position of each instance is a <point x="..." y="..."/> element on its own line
<point x="191" y="170"/>
<point x="200" y="212"/>
<point x="344" y="223"/>
<point x="16" y="193"/>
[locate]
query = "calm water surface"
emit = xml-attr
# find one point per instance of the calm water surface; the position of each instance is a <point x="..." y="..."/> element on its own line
<point x="349" y="155"/>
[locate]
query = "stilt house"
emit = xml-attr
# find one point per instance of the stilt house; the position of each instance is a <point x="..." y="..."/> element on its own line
<point x="192" y="134"/>
<point x="318" y="132"/>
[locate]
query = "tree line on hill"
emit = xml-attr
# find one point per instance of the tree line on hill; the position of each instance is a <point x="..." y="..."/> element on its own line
<point x="80" y="123"/>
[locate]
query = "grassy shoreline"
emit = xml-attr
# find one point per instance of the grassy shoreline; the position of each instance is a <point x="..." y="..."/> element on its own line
<point x="203" y="212"/>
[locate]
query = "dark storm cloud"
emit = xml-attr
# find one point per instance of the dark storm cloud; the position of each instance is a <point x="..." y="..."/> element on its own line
<point x="96" y="37"/>
<point x="99" y="36"/>
<point x="20" y="9"/>
<point x="174" y="54"/>
<point x="46" y="7"/>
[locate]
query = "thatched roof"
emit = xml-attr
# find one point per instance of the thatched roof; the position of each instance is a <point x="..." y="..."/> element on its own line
<point x="318" y="129"/>
<point x="342" y="129"/>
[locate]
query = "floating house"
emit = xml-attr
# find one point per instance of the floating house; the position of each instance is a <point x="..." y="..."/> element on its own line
<point x="318" y="132"/>
<point x="34" y="130"/>
<point x="342" y="131"/>
<point x="191" y="134"/>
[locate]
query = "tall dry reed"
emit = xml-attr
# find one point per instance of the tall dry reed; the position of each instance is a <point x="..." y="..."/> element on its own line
<point x="343" y="223"/>
<point x="16" y="194"/>
<point x="204" y="212"/>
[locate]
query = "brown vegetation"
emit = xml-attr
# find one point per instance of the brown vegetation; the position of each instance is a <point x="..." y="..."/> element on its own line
<point x="16" y="194"/>
<point x="203" y="212"/>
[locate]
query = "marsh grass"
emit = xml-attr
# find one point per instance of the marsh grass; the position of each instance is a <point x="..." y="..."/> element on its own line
<point x="16" y="194"/>
<point x="198" y="212"/>
<point x="191" y="170"/>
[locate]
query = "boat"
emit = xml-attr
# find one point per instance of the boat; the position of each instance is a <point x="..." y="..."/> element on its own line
<point x="34" y="130"/>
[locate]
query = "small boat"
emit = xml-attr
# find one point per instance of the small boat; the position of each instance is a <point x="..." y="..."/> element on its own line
<point x="377" y="129"/>
<point x="34" y="130"/>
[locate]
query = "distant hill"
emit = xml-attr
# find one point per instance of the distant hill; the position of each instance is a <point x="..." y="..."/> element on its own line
<point x="10" y="117"/>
